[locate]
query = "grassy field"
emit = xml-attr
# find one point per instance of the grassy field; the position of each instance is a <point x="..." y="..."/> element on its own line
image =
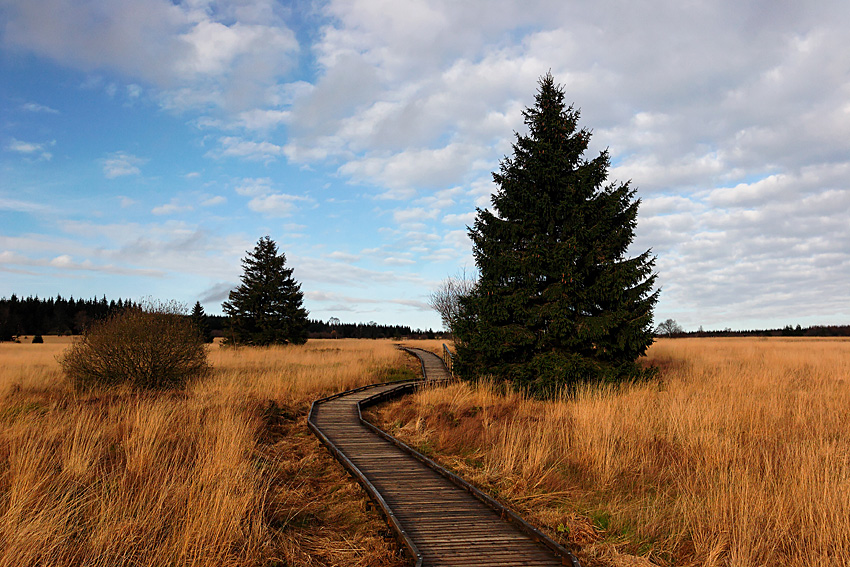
<point x="739" y="456"/>
<point x="224" y="473"/>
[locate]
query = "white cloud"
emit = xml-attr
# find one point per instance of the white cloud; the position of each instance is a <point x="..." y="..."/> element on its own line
<point x="170" y="208"/>
<point x="36" y="107"/>
<point x="195" y="53"/>
<point x="423" y="168"/>
<point x="252" y="187"/>
<point x="21" y="206"/>
<point x="325" y="272"/>
<point x="458" y="239"/>
<point x="343" y="256"/>
<point x="31" y="149"/>
<point x="753" y="251"/>
<point x="63" y="261"/>
<point x="120" y="164"/>
<point x="413" y="215"/>
<point x="274" y="204"/>
<point x="263" y="119"/>
<point x="214" y="201"/>
<point x="173" y="247"/>
<point x="445" y="198"/>
<point x="66" y="263"/>
<point x="232" y="146"/>
<point x="266" y="200"/>
<point x="344" y="302"/>
<point x="465" y="219"/>
<point x="398" y="261"/>
<point x="126" y="202"/>
<point x="134" y="91"/>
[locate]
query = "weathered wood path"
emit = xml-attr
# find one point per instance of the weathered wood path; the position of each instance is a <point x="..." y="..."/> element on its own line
<point x="441" y="520"/>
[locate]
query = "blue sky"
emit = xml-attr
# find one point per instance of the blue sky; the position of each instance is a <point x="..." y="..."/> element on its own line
<point x="146" y="145"/>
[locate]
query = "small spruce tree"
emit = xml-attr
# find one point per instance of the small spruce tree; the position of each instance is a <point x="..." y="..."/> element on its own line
<point x="199" y="319"/>
<point x="557" y="301"/>
<point x="267" y="307"/>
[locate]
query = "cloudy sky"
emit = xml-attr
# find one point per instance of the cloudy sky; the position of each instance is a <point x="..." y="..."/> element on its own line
<point x="146" y="145"/>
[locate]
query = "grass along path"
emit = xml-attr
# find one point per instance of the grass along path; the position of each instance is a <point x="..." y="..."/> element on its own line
<point x="224" y="473"/>
<point x="739" y="456"/>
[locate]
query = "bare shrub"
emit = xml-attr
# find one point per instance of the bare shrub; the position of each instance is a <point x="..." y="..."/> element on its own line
<point x="445" y="300"/>
<point x="150" y="347"/>
<point x="669" y="328"/>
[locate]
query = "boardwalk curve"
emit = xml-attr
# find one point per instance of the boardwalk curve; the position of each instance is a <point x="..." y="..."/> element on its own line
<point x="440" y="519"/>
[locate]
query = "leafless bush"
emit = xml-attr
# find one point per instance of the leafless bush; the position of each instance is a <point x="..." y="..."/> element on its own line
<point x="669" y="328"/>
<point x="155" y="346"/>
<point x="446" y="298"/>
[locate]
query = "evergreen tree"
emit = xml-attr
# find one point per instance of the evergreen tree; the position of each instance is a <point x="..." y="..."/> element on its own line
<point x="267" y="308"/>
<point x="199" y="319"/>
<point x="557" y="301"/>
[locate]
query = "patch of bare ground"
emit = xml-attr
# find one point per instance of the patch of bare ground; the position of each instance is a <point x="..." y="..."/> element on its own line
<point x="739" y="455"/>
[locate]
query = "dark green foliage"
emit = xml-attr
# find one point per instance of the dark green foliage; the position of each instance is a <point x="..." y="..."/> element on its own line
<point x="9" y="324"/>
<point x="267" y="308"/>
<point x="153" y="347"/>
<point x="557" y="301"/>
<point x="199" y="319"/>
<point x="38" y="339"/>
<point x="52" y="316"/>
<point x="335" y="329"/>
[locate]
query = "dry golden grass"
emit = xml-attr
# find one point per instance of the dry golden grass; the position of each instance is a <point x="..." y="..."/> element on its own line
<point x="739" y="456"/>
<point x="224" y="473"/>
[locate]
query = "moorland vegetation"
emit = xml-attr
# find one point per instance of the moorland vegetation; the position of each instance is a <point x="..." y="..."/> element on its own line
<point x="222" y="471"/>
<point x="738" y="455"/>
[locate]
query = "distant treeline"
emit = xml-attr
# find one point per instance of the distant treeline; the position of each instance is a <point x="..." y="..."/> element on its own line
<point x="322" y="330"/>
<point x="787" y="331"/>
<point x="53" y="316"/>
<point x="336" y="330"/>
<point x="60" y="316"/>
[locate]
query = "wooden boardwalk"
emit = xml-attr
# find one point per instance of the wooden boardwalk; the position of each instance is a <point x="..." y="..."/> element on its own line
<point x="440" y="522"/>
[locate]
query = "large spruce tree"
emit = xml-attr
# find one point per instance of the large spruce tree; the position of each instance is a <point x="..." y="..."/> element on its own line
<point x="267" y="308"/>
<point x="557" y="301"/>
